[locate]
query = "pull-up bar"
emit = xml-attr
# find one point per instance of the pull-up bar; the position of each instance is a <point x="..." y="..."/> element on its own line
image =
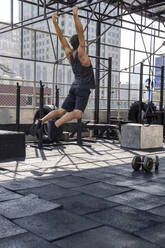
<point x="65" y="2"/>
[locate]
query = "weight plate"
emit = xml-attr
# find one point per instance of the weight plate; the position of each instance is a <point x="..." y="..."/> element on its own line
<point x="136" y="163"/>
<point x="156" y="162"/>
<point x="148" y="164"/>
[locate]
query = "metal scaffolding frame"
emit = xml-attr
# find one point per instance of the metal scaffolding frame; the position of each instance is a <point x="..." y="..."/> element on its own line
<point x="152" y="9"/>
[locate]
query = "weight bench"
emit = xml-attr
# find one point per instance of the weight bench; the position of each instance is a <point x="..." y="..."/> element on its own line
<point x="102" y="128"/>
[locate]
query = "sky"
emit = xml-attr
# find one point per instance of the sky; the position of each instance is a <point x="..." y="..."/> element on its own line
<point x="5" y="10"/>
<point x="127" y="40"/>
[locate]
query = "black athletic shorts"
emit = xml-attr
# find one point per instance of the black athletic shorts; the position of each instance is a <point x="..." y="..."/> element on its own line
<point x="76" y="99"/>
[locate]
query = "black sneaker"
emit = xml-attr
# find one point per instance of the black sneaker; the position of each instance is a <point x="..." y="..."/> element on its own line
<point x="35" y="127"/>
<point x="58" y="133"/>
<point x="54" y="133"/>
<point x="38" y="123"/>
<point x="51" y="130"/>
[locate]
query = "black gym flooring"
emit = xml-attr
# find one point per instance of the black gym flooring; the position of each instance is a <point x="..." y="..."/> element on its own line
<point x="81" y="197"/>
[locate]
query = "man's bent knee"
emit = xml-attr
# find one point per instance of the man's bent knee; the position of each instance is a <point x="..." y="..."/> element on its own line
<point x="61" y="111"/>
<point x="77" y="113"/>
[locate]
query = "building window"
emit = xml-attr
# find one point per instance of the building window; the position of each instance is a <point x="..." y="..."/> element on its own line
<point x="38" y="73"/>
<point x="29" y="100"/>
<point x="60" y="75"/>
<point x="28" y="72"/>
<point x="21" y="70"/>
<point x="69" y="76"/>
<point x="44" y="74"/>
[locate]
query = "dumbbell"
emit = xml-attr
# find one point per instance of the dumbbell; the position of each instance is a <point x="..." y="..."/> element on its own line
<point x="145" y="162"/>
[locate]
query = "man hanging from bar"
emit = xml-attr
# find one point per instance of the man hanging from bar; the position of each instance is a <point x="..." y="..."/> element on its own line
<point x="77" y="99"/>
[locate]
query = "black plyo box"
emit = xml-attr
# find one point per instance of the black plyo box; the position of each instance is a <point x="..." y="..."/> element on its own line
<point x="12" y="144"/>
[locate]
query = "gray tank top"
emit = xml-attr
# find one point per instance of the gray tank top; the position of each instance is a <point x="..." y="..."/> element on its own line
<point x="84" y="76"/>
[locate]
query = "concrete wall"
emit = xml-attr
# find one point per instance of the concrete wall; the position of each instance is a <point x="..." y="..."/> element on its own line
<point x="89" y="115"/>
<point x="8" y="115"/>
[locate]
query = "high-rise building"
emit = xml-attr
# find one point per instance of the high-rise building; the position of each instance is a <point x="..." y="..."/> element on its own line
<point x="159" y="61"/>
<point x="9" y="46"/>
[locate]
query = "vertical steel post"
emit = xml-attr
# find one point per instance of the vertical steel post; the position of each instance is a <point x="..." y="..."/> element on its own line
<point x="87" y="30"/>
<point x="55" y="89"/>
<point x="57" y="97"/>
<point x="40" y="143"/>
<point x="35" y="74"/>
<point x="79" y="132"/>
<point x="45" y="9"/>
<point x="22" y="29"/>
<point x="97" y="89"/>
<point x="161" y="89"/>
<point x="12" y="13"/>
<point x="109" y="90"/>
<point x="18" y="108"/>
<point x="129" y="80"/>
<point x="134" y="49"/>
<point x="140" y="93"/>
<point x="38" y="7"/>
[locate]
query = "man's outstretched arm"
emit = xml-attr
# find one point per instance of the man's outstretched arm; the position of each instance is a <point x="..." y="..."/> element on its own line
<point x="63" y="41"/>
<point x="79" y="28"/>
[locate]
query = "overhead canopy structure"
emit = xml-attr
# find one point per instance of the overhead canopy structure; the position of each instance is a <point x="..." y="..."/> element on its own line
<point x="150" y="8"/>
<point x="154" y="9"/>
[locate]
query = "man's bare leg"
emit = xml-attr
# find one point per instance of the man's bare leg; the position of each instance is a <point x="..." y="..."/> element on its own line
<point x="53" y="114"/>
<point x="54" y="130"/>
<point x="69" y="116"/>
